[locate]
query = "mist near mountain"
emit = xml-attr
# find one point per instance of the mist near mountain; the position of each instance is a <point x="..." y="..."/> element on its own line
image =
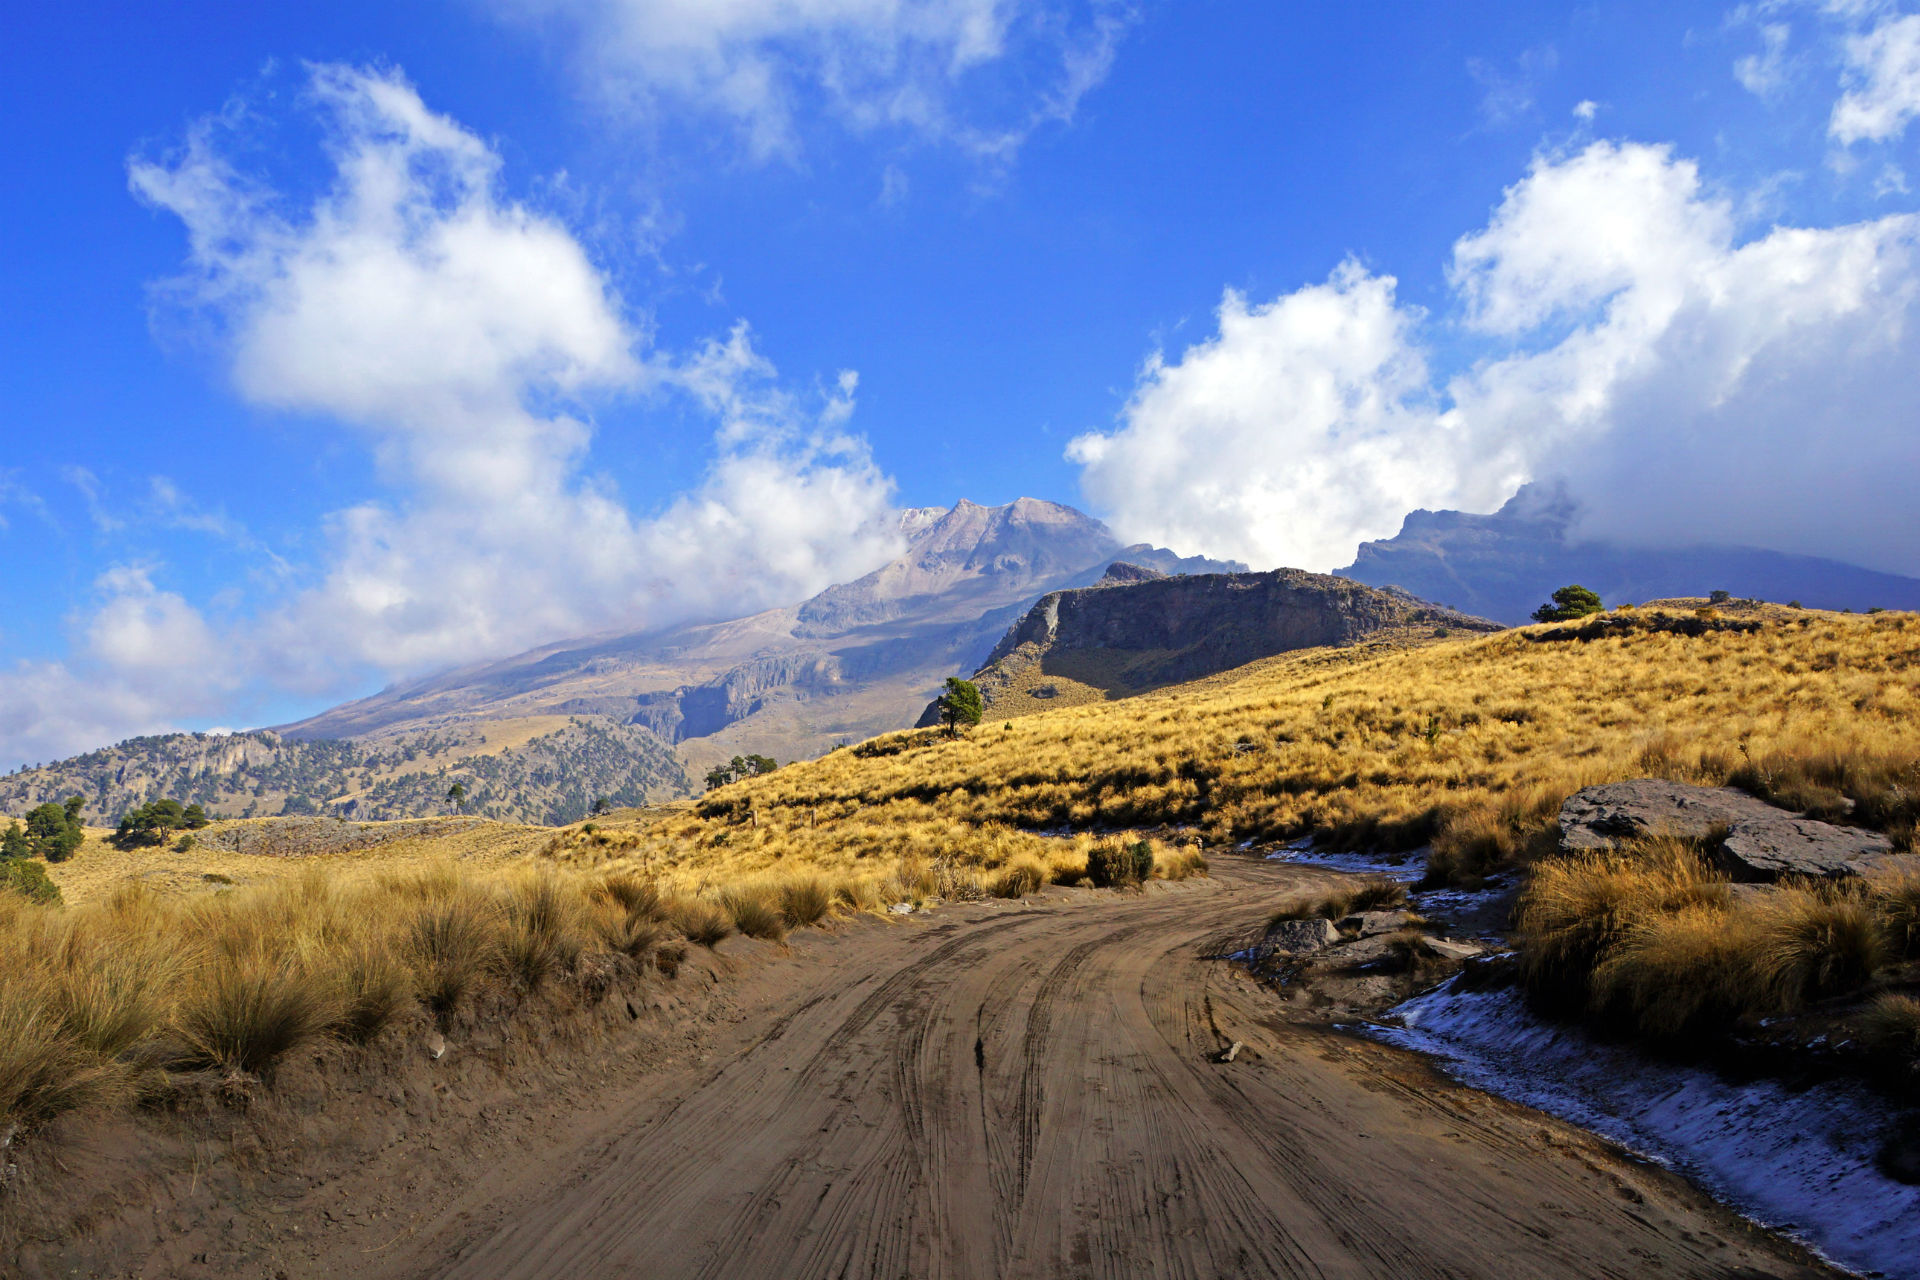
<point x="1504" y="565"/>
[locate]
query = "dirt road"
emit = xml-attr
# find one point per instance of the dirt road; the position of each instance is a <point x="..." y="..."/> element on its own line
<point x="1029" y="1089"/>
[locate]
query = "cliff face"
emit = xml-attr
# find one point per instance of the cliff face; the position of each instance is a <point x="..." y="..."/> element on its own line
<point x="1135" y="631"/>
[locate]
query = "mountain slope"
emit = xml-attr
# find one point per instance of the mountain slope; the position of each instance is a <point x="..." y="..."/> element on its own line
<point x="1138" y="629"/>
<point x="1504" y="565"/>
<point x="541" y="770"/>
<point x="856" y="659"/>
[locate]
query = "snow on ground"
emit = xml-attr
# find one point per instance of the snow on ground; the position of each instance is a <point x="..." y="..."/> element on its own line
<point x="1798" y="1162"/>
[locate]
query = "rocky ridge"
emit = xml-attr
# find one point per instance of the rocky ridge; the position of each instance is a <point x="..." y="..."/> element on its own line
<point x="1138" y="629"/>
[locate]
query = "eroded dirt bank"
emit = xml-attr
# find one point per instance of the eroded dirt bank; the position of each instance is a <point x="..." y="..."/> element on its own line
<point x="1006" y="1089"/>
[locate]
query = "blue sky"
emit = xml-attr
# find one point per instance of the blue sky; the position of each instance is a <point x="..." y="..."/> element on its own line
<point x="339" y="343"/>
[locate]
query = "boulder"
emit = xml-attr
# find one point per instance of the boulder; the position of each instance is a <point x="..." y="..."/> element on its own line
<point x="1600" y="817"/>
<point x="1759" y="843"/>
<point x="1300" y="937"/>
<point x="1786" y="846"/>
<point x="1369" y="923"/>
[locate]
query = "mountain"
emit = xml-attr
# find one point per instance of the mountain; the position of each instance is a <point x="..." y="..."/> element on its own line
<point x="538" y="736"/>
<point x="1137" y="629"/>
<point x="857" y="659"/>
<point x="544" y="770"/>
<point x="1505" y="565"/>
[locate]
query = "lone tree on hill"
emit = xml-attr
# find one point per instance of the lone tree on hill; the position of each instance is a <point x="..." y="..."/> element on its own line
<point x="601" y="805"/>
<point x="1569" y="602"/>
<point x="961" y="704"/>
<point x="457" y="797"/>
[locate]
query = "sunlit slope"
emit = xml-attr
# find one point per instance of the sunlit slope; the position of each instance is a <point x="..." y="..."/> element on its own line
<point x="1471" y="744"/>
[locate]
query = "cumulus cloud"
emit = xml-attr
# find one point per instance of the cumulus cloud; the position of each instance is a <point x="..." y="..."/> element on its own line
<point x="1305" y="425"/>
<point x="463" y="337"/>
<point x="871" y="63"/>
<point x="1689" y="387"/>
<point x="1882" y="81"/>
<point x="142" y="657"/>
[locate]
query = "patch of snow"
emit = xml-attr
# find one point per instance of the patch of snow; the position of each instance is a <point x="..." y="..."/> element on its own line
<point x="1800" y="1162"/>
<point x="1406" y="867"/>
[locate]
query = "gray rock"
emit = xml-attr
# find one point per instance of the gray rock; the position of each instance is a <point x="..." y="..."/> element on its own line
<point x="1785" y="846"/>
<point x="1448" y="949"/>
<point x="1761" y="843"/>
<point x="1300" y="937"/>
<point x="1362" y="952"/>
<point x="1600" y="817"/>
<point x="1368" y="923"/>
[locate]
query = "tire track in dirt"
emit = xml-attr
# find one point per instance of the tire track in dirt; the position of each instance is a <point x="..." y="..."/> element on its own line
<point x="1029" y="1090"/>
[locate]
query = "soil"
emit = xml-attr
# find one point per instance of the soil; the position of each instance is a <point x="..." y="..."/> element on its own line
<point x="1031" y="1088"/>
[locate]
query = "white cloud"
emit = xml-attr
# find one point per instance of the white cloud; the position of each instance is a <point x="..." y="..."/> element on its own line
<point x="1882" y="80"/>
<point x="463" y="336"/>
<point x="142" y="658"/>
<point x="1765" y="73"/>
<point x="906" y="64"/>
<point x="1689" y="387"/>
<point x="1585" y="110"/>
<point x="1306" y="425"/>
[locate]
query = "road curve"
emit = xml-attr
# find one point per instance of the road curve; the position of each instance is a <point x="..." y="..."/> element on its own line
<point x="1030" y="1090"/>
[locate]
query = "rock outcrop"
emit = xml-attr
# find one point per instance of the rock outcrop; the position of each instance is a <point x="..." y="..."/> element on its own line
<point x="1750" y="839"/>
<point x="1134" y="631"/>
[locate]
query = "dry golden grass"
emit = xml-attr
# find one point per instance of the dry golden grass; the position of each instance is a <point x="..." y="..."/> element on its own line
<point x="131" y="992"/>
<point x="1654" y="939"/>
<point x="1469" y="744"/>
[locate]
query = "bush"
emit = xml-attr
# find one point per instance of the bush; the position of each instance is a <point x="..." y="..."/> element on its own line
<point x="754" y="913"/>
<point x="1019" y="879"/>
<point x="29" y="879"/>
<point x="1114" y="864"/>
<point x="249" y="1012"/>
<point x="454" y="944"/>
<point x="1816" y="943"/>
<point x="805" y="901"/>
<point x="700" y="921"/>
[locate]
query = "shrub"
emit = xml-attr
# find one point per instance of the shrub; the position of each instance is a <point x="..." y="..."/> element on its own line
<point x="634" y="894"/>
<point x="1576" y="910"/>
<point x="375" y="989"/>
<point x="1182" y="864"/>
<point x="1115" y="864"/>
<point x="1018" y="879"/>
<point x="543" y="925"/>
<point x="805" y="901"/>
<point x="454" y="944"/>
<point x="700" y="921"/>
<point x="1896" y="901"/>
<point x="1892" y="1025"/>
<point x="755" y="912"/>
<point x="42" y="1072"/>
<point x="1679" y="972"/>
<point x="245" y="1013"/>
<point x="1816" y="943"/>
<point x="1376" y="893"/>
<point x="28" y="879"/>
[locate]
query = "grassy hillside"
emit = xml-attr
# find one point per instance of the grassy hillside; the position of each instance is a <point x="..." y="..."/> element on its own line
<point x="1469" y="744"/>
